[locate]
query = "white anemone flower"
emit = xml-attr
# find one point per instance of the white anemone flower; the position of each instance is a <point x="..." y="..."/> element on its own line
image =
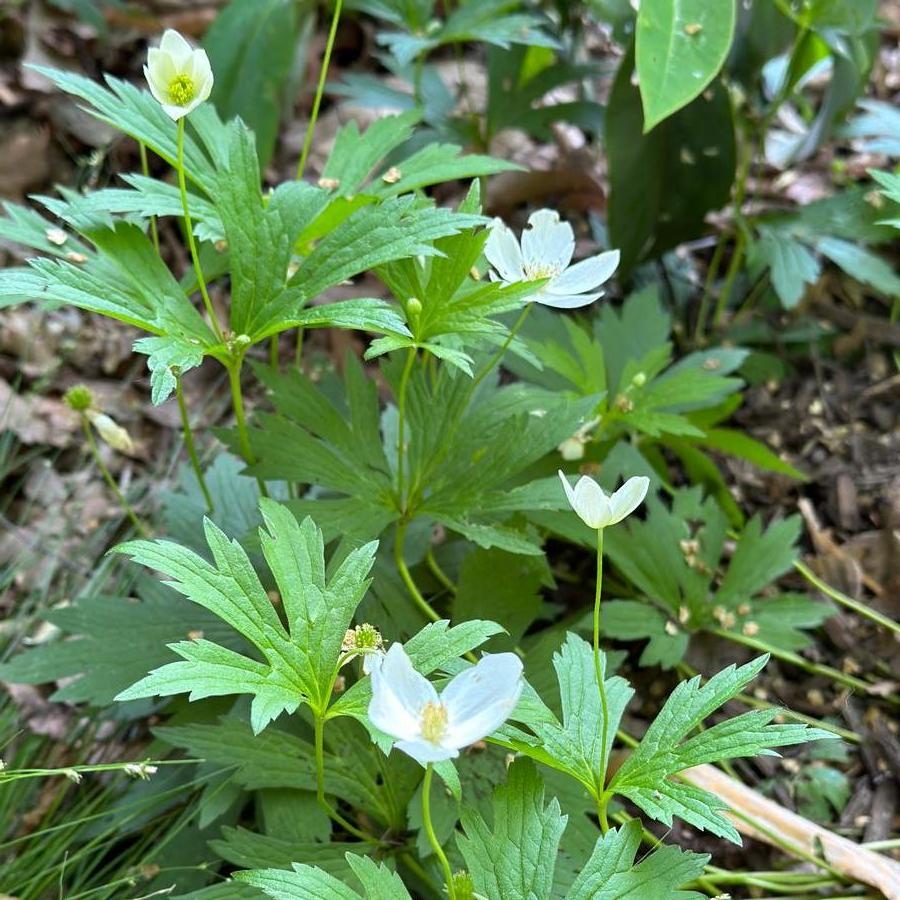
<point x="180" y="76"/>
<point x="596" y="508"/>
<point x="546" y="251"/>
<point x="431" y="727"/>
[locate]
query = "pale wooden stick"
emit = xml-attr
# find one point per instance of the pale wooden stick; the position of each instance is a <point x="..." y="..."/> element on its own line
<point x="838" y="852"/>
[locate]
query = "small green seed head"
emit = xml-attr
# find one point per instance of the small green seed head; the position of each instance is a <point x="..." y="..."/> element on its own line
<point x="463" y="886"/>
<point x="364" y="638"/>
<point x="182" y="90"/>
<point x="79" y="398"/>
<point x="413" y="307"/>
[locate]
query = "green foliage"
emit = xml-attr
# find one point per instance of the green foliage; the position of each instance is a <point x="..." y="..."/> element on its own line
<point x="694" y="148"/>
<point x="680" y="48"/>
<point x="676" y="560"/>
<point x="667" y="749"/>
<point x="251" y="47"/>
<point x="301" y="658"/>
<point x="516" y="855"/>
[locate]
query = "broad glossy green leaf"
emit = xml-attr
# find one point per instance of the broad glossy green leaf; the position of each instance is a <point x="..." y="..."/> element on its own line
<point x="680" y="47"/>
<point x="692" y="151"/>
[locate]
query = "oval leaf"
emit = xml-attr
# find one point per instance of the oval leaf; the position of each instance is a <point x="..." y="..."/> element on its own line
<point x="681" y="45"/>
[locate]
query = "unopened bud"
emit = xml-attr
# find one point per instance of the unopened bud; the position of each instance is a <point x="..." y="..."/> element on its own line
<point x="413" y="308"/>
<point x="571" y="449"/>
<point x="110" y="432"/>
<point x="639" y="380"/>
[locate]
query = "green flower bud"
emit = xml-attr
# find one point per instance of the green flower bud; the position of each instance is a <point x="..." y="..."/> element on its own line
<point x="413" y="308"/>
<point x="79" y="398"/>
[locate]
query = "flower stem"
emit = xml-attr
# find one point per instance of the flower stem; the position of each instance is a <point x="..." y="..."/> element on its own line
<point x="189" y="228"/>
<point x="429" y="830"/>
<point x="237" y="400"/>
<point x="320" y="89"/>
<point x="403" y="569"/>
<point x="601" y="687"/>
<point x="145" y="170"/>
<point x="111" y="482"/>
<point x="795" y="659"/>
<point x="401" y="423"/>
<point x="191" y="446"/>
<point x="839" y="597"/>
<point x="503" y="348"/>
<point x="436" y="570"/>
<point x="330" y="811"/>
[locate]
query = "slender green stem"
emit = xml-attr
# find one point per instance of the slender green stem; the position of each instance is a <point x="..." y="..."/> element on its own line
<point x="439" y="573"/>
<point x="796" y="660"/>
<point x="331" y="812"/>
<point x="191" y="446"/>
<point x="711" y="275"/>
<point x="145" y="169"/>
<point x="237" y="401"/>
<point x="111" y="482"/>
<point x="320" y="89"/>
<point x="403" y="569"/>
<point x="839" y="597"/>
<point x="734" y="265"/>
<point x="401" y="422"/>
<point x="189" y="229"/>
<point x="601" y="688"/>
<point x="503" y="348"/>
<point x="429" y="830"/>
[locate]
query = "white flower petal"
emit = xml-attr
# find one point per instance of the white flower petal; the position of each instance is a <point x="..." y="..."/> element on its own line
<point x="547" y="241"/>
<point x="424" y="752"/>
<point x="564" y="301"/>
<point x="628" y="498"/>
<point x="173" y="111"/>
<point x="570" y="493"/>
<point x="398" y="694"/>
<point x="503" y="253"/>
<point x="591" y="503"/>
<point x="201" y="72"/>
<point x="587" y="275"/>
<point x="176" y="46"/>
<point x="480" y="699"/>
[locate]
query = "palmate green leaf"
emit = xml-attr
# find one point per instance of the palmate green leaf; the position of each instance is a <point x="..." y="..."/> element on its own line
<point x="260" y="233"/>
<point x="680" y="47"/>
<point x="861" y="264"/>
<point x="611" y="873"/>
<point x="299" y="659"/>
<point x="311" y="883"/>
<point x="249" y="850"/>
<point x="436" y="163"/>
<point x="574" y="745"/>
<point x="514" y="857"/>
<point x="362" y="314"/>
<point x="373" y="235"/>
<point x="20" y="284"/>
<point x="93" y="663"/>
<point x="165" y="357"/>
<point x="28" y="228"/>
<point x="145" y="197"/>
<point x="668" y="748"/>
<point x="791" y="264"/>
<point x="355" y="155"/>
<point x="138" y="114"/>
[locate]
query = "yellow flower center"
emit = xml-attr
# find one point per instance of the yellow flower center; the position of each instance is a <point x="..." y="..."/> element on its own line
<point x="182" y="90"/>
<point x="434" y="721"/>
<point x="536" y="272"/>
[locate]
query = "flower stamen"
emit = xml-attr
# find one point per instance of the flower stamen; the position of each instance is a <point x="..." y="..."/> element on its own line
<point x="434" y="721"/>
<point x="182" y="90"/>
